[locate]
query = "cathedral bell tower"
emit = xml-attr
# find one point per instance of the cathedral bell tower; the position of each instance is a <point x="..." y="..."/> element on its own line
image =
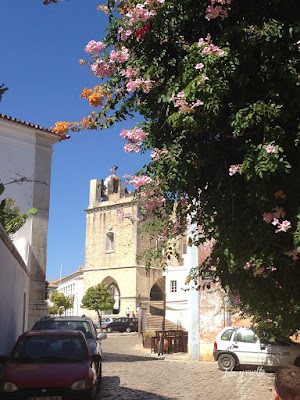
<point x="113" y="241"/>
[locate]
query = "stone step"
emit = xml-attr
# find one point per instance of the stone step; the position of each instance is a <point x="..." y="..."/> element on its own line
<point x="154" y="323"/>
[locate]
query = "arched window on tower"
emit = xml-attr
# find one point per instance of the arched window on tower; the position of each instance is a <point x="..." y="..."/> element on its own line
<point x="110" y="242"/>
<point x="115" y="185"/>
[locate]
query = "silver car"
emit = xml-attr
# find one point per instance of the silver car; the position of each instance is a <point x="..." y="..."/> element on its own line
<point x="104" y="322"/>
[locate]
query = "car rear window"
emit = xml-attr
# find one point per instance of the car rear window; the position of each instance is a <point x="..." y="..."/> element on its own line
<point x="82" y="326"/>
<point x="52" y="348"/>
<point x="227" y="334"/>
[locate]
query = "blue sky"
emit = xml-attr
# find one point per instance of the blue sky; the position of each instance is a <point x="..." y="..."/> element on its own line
<point x="40" y="49"/>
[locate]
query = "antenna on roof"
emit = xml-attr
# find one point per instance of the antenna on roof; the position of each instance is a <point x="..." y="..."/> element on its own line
<point x="60" y="273"/>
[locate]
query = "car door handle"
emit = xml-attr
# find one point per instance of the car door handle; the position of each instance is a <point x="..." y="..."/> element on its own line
<point x="235" y="346"/>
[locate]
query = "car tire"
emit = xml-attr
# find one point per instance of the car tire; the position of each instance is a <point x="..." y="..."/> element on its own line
<point x="109" y="329"/>
<point x="99" y="378"/>
<point x="128" y="330"/>
<point x="93" y="393"/>
<point x="297" y="362"/>
<point x="226" y="362"/>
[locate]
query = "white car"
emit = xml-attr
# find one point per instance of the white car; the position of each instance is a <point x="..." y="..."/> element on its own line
<point x="238" y="346"/>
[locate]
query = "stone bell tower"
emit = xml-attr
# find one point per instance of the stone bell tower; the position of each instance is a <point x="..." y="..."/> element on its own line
<point x="113" y="241"/>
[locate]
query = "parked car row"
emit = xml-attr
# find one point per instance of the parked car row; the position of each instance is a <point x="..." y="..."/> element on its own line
<point x="60" y="358"/>
<point x="123" y="324"/>
<point x="104" y="322"/>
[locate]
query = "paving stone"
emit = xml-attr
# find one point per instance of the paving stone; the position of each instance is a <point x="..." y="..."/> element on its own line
<point x="131" y="372"/>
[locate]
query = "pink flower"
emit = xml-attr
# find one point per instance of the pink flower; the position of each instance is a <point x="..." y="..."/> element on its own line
<point x="201" y="42"/>
<point x="130" y="72"/>
<point x="119" y="56"/>
<point x="94" y="47"/>
<point x="133" y="135"/>
<point x="196" y="104"/>
<point x="206" y="50"/>
<point x="139" y="181"/>
<point x="234" y="169"/>
<point x="145" y="85"/>
<point x="155" y="155"/>
<point x="181" y="95"/>
<point x="101" y="68"/>
<point x="129" y="148"/>
<point x="125" y="34"/>
<point x="283" y="227"/>
<point x="275" y="222"/>
<point x="270" y="149"/>
<point x="247" y="265"/>
<point x="199" y="66"/>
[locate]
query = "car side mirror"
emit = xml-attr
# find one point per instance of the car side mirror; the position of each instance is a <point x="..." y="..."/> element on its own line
<point x="3" y="359"/>
<point x="95" y="358"/>
<point x="101" y="336"/>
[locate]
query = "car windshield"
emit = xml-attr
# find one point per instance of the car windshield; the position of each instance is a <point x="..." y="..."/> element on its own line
<point x="51" y="348"/>
<point x="82" y="326"/>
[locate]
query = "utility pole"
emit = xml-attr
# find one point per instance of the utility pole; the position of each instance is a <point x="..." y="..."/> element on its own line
<point x="162" y="335"/>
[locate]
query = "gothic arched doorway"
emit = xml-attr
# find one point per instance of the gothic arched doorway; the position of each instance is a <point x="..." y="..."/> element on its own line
<point x="113" y="288"/>
<point x="157" y="295"/>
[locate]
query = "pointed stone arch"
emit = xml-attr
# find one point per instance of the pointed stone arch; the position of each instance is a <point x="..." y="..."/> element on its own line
<point x="157" y="294"/>
<point x="113" y="287"/>
<point x="157" y="290"/>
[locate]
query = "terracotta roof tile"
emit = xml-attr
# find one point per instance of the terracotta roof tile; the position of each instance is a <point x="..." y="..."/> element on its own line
<point x="41" y="128"/>
<point x="56" y="281"/>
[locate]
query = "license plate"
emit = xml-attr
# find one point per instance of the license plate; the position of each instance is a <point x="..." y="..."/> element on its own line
<point x="46" y="398"/>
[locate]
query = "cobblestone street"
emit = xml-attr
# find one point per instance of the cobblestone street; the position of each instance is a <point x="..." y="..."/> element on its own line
<point x="130" y="372"/>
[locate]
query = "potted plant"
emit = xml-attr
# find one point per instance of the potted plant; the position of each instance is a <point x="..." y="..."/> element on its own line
<point x="147" y="335"/>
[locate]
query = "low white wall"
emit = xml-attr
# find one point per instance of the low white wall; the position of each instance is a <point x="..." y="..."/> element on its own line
<point x="14" y="294"/>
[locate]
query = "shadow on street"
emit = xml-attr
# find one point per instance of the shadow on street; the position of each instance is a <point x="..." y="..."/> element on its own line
<point x="111" y="389"/>
<point x="117" y="357"/>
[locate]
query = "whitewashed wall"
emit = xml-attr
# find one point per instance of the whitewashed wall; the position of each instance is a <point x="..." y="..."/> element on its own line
<point x="178" y="301"/>
<point x="14" y="294"/>
<point x="25" y="170"/>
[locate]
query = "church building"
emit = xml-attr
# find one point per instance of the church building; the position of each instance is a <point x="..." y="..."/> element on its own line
<point x="113" y="241"/>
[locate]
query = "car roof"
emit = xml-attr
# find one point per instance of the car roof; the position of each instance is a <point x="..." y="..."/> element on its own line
<point x="53" y="333"/>
<point x="65" y="318"/>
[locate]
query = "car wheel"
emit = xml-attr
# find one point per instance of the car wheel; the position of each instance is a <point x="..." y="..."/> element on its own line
<point x="93" y="393"/>
<point x="226" y="362"/>
<point x="297" y="362"/>
<point x="99" y="377"/>
<point x="109" y="329"/>
<point x="128" y="330"/>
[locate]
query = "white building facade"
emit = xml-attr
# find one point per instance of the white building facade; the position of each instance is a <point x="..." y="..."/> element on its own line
<point x="71" y="286"/>
<point x="25" y="170"/>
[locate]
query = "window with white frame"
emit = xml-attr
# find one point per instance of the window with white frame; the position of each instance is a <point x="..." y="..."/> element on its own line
<point x="173" y="286"/>
<point x="110" y="242"/>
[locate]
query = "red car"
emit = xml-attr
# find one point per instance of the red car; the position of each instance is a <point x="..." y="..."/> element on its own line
<point x="49" y="365"/>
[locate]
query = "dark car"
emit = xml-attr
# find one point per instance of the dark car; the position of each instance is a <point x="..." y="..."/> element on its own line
<point x="49" y="365"/>
<point x="123" y="325"/>
<point x="83" y="324"/>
